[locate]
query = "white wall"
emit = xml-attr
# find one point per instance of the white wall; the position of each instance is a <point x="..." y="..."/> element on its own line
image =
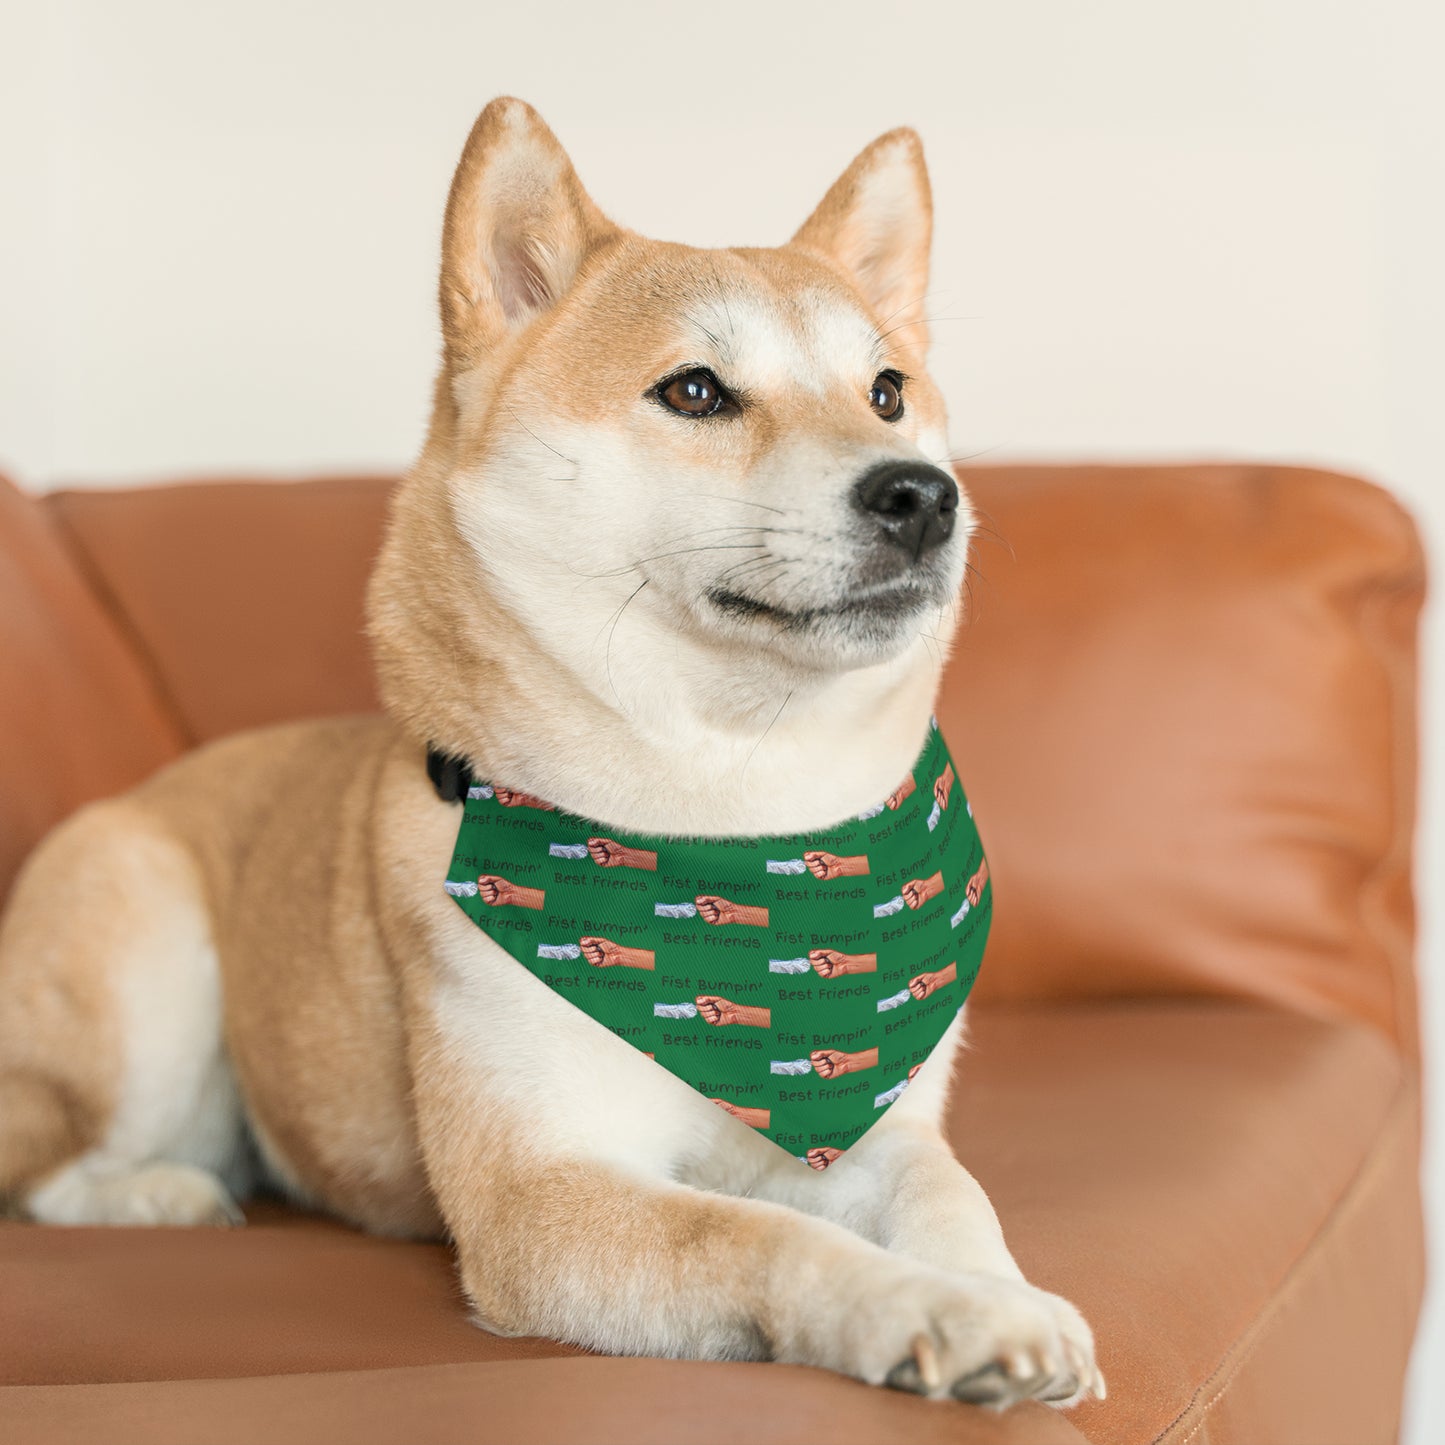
<point x="1164" y="228"/>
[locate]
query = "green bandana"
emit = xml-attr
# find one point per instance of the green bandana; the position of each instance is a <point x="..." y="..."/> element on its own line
<point x="797" y="980"/>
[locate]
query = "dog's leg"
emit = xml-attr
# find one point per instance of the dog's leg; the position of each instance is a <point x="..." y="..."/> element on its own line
<point x="901" y="1187"/>
<point x="900" y="1184"/>
<point x="567" y="1225"/>
<point x="116" y="1104"/>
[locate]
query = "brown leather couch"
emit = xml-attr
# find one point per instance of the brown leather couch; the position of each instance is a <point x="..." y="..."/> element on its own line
<point x="1185" y="712"/>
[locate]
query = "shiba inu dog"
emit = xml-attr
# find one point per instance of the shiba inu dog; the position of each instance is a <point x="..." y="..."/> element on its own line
<point x="677" y="554"/>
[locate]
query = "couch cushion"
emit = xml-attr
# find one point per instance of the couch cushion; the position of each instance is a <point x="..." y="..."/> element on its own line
<point x="248" y="595"/>
<point x="581" y="1402"/>
<point x="1187" y="1173"/>
<point x="79" y="715"/>
<point x="1184" y="710"/>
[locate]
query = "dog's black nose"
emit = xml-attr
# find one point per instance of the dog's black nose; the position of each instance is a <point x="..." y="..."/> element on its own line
<point x="915" y="504"/>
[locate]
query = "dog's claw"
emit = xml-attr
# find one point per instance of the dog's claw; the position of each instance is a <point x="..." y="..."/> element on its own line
<point x="1019" y="1364"/>
<point x="925" y="1353"/>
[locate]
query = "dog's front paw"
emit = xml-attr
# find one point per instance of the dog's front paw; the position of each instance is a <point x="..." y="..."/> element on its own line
<point x="979" y="1338"/>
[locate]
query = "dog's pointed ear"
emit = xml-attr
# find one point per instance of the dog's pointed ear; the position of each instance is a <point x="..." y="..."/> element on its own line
<point x="518" y="227"/>
<point x="877" y="223"/>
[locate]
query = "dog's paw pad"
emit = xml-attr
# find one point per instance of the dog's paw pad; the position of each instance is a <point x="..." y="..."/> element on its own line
<point x="988" y="1386"/>
<point x="905" y="1376"/>
<point x="1061" y="1391"/>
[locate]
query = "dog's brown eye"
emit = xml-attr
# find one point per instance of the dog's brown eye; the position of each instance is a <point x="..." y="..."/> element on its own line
<point x="694" y="393"/>
<point x="886" y="398"/>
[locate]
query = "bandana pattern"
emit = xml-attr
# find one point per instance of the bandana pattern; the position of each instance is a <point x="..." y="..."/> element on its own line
<point x="796" y="980"/>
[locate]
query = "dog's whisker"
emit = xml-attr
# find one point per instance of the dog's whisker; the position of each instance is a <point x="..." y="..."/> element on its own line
<point x="763" y="578"/>
<point x="705" y="547"/>
<point x="680" y="552"/>
<point x="748" y="563"/>
<point x="764" y="554"/>
<point x="804" y="580"/>
<point x="607" y="656"/>
<point x="959" y="458"/>
<point x="571" y="461"/>
<point x="928" y="320"/>
<point x="764" y="734"/>
<point x="747" y="502"/>
<point x="991" y="531"/>
<point x="729" y="574"/>
<point x="898" y="311"/>
<point x="762" y="529"/>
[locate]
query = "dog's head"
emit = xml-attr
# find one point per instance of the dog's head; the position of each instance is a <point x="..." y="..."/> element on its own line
<point x="737" y="449"/>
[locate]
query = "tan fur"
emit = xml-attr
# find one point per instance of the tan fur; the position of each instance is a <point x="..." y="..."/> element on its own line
<point x="259" y="932"/>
